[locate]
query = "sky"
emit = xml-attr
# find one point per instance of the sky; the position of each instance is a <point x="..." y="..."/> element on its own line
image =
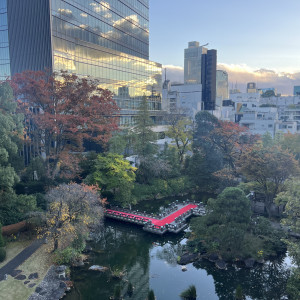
<point x="256" y="40"/>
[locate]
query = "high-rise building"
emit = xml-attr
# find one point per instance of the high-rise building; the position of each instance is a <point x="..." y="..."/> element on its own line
<point x="107" y="40"/>
<point x="222" y="86"/>
<point x="297" y="90"/>
<point x="200" y="67"/>
<point x="251" y="87"/>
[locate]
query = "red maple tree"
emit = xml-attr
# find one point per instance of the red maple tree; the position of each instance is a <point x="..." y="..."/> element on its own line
<point x="63" y="110"/>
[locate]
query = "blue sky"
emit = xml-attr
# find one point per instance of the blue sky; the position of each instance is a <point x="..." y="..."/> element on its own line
<point x="249" y="35"/>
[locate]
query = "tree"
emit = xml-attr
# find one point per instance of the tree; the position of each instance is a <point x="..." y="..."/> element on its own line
<point x="223" y="229"/>
<point x="145" y="138"/>
<point x="291" y="142"/>
<point x="114" y="173"/>
<point x="291" y="199"/>
<point x="73" y="209"/>
<point x="62" y="111"/>
<point x="180" y="131"/>
<point x="269" y="168"/>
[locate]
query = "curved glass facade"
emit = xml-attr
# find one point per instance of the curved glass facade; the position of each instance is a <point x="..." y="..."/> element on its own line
<point x="4" y="47"/>
<point x="108" y="40"/>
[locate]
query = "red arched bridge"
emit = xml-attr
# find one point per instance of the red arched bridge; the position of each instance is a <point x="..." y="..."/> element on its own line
<point x="171" y="219"/>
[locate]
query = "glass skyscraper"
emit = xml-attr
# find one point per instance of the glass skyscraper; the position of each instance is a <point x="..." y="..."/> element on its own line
<point x="4" y="49"/>
<point x="107" y="40"/>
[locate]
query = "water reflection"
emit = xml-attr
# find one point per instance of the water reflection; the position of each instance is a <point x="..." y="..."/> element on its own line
<point x="150" y="263"/>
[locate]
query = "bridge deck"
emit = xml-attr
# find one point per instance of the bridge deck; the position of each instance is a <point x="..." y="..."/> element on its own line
<point x="172" y="222"/>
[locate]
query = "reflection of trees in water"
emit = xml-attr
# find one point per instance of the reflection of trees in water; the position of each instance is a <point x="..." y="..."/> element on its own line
<point x="169" y="253"/>
<point x="264" y="282"/>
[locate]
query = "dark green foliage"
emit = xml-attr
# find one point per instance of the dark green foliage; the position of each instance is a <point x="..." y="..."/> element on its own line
<point x="151" y="295"/>
<point x="66" y="256"/>
<point x="2" y="254"/>
<point x="293" y="285"/>
<point x="79" y="243"/>
<point x="117" y="293"/>
<point x="190" y="293"/>
<point x="130" y="289"/>
<point x="239" y="295"/>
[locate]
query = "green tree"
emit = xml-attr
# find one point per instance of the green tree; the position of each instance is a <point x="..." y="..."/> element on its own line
<point x="190" y="293"/>
<point x="223" y="228"/>
<point x="144" y="137"/>
<point x="180" y="131"/>
<point x="269" y="168"/>
<point x="2" y="244"/>
<point x="114" y="173"/>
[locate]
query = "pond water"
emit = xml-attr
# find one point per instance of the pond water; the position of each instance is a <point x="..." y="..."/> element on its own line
<point x="150" y="263"/>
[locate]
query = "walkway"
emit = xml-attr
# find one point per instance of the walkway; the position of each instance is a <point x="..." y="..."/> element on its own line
<point x="174" y="221"/>
<point x="19" y="259"/>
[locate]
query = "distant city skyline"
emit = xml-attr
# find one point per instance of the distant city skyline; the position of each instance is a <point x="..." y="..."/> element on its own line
<point x="256" y="41"/>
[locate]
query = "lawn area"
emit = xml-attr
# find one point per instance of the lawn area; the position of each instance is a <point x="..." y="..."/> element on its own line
<point x="40" y="261"/>
<point x="13" y="249"/>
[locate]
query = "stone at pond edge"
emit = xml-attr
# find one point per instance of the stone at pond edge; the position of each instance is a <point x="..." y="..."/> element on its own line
<point x="87" y="249"/>
<point x="249" y="262"/>
<point x="221" y="264"/>
<point x="98" y="268"/>
<point x="78" y="264"/>
<point x="33" y="276"/>
<point x="213" y="257"/>
<point x="20" y="277"/>
<point x="187" y="258"/>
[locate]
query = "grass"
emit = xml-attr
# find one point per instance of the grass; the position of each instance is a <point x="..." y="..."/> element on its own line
<point x="40" y="261"/>
<point x="13" y="249"/>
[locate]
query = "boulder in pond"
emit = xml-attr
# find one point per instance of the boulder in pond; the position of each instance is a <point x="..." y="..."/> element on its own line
<point x="221" y="264"/>
<point x="249" y="262"/>
<point x="98" y="268"/>
<point x="187" y="258"/>
<point x="213" y="257"/>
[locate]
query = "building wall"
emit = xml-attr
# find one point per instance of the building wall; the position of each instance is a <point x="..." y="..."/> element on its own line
<point x="296" y="90"/>
<point x="29" y="35"/>
<point x="4" y="47"/>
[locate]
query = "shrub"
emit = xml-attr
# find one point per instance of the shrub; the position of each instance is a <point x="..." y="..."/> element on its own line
<point x="2" y="254"/>
<point x="79" y="243"/>
<point x="66" y="256"/>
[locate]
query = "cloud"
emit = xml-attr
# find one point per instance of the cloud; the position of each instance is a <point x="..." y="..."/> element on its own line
<point x="242" y="74"/>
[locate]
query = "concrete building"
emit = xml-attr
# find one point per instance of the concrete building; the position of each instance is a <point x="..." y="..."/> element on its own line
<point x="251" y="87"/>
<point x="107" y="40"/>
<point x="297" y="90"/>
<point x="222" y="87"/>
<point x="200" y="67"/>
<point x="184" y="98"/>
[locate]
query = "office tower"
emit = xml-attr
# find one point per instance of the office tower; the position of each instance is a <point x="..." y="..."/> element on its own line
<point x="222" y="86"/>
<point x="200" y="67"/>
<point x="296" y="90"/>
<point x="192" y="63"/>
<point x="209" y="74"/>
<point x="107" y="40"/>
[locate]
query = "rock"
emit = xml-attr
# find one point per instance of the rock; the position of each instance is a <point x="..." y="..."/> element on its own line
<point x="98" y="268"/>
<point x="33" y="276"/>
<point x="20" y="277"/>
<point x="78" y="263"/>
<point x="87" y="249"/>
<point x="31" y="285"/>
<point x="183" y="268"/>
<point x="3" y="277"/>
<point x="62" y="285"/>
<point x="213" y="257"/>
<point x="14" y="273"/>
<point x="187" y="258"/>
<point x="249" y="262"/>
<point x="38" y="290"/>
<point x="221" y="264"/>
<point x="27" y="281"/>
<point x="61" y="269"/>
<point x="43" y="293"/>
